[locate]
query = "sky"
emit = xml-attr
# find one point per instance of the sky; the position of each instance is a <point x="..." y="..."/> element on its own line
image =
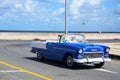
<point x="49" y="15"/>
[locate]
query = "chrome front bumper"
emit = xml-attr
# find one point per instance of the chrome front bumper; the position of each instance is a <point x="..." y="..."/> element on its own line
<point x="88" y="60"/>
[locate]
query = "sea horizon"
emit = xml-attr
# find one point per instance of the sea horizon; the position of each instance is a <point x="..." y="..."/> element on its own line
<point x="58" y="31"/>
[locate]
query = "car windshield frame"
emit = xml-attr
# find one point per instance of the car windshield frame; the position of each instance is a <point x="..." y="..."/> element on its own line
<point x="73" y="38"/>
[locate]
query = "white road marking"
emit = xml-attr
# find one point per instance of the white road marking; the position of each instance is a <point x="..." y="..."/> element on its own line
<point x="108" y="71"/>
<point x="10" y="71"/>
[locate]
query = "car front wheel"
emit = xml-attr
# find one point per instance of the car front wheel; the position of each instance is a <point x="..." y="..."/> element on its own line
<point x="69" y="61"/>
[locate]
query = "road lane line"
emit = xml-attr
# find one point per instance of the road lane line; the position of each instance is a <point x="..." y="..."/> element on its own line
<point x="108" y="71"/>
<point x="10" y="71"/>
<point x="26" y="71"/>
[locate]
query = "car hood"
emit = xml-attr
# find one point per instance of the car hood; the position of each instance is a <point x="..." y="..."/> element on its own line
<point x="79" y="45"/>
<point x="87" y="47"/>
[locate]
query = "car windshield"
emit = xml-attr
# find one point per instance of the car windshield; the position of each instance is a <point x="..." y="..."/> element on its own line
<point x="74" y="38"/>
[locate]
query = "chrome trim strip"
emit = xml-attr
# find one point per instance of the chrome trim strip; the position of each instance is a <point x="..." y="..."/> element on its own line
<point x="92" y="52"/>
<point x="65" y="49"/>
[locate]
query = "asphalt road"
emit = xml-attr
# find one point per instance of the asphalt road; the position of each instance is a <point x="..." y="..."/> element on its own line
<point x="17" y="63"/>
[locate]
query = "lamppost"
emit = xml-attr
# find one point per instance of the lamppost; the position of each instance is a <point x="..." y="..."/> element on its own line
<point x="66" y="16"/>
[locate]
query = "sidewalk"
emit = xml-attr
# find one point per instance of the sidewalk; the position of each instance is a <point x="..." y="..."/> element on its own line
<point x="114" y="49"/>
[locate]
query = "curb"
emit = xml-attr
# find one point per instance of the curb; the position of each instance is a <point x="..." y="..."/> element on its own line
<point x="113" y="56"/>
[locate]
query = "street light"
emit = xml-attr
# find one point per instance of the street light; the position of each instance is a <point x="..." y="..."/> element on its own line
<point x="66" y="16"/>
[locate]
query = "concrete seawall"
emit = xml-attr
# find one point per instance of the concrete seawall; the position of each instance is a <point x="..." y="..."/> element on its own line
<point x="26" y="36"/>
<point x="51" y="36"/>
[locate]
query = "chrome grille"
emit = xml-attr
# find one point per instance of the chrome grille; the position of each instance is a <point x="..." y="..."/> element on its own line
<point x="92" y="55"/>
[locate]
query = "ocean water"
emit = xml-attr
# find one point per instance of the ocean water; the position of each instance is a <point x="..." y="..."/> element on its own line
<point x="56" y="31"/>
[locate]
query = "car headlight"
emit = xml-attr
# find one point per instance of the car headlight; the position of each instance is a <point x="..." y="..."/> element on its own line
<point x="80" y="51"/>
<point x="108" y="49"/>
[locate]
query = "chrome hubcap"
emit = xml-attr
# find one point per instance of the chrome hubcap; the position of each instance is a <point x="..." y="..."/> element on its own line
<point x="69" y="61"/>
<point x="39" y="56"/>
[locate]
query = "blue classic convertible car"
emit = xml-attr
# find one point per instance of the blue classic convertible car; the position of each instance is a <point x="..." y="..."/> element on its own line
<point x="72" y="49"/>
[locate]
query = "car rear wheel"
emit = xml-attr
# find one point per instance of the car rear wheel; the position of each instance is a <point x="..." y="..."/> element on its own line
<point x="69" y="61"/>
<point x="39" y="56"/>
<point x="99" y="65"/>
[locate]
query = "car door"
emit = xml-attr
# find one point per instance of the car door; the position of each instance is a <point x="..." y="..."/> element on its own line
<point x="54" y="51"/>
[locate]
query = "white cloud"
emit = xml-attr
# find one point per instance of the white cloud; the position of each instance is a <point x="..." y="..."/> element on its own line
<point x="6" y="6"/>
<point x="56" y="15"/>
<point x="74" y="8"/>
<point x="118" y="18"/>
<point x="79" y="7"/>
<point x="22" y="9"/>
<point x="60" y="1"/>
<point x="18" y="6"/>
<point x="95" y="13"/>
<point x="36" y="8"/>
<point x="94" y="2"/>
<point x="117" y="10"/>
<point x="53" y="20"/>
<point x="7" y="2"/>
<point x="45" y="1"/>
<point x="58" y="12"/>
<point x="29" y="5"/>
